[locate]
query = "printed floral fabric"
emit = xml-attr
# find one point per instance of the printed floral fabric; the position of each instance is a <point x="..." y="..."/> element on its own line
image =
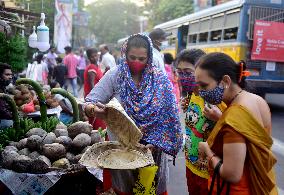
<point x="151" y="105"/>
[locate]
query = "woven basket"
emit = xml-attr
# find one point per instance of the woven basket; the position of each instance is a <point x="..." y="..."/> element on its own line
<point x="126" y="153"/>
<point x="121" y="125"/>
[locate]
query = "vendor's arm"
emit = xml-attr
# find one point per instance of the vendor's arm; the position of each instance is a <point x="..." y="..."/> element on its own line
<point x="104" y="89"/>
<point x="101" y="94"/>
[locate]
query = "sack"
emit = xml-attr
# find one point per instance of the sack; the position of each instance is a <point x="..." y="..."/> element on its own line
<point x="145" y="184"/>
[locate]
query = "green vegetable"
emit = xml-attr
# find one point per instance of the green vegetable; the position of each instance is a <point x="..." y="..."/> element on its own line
<point x="71" y="99"/>
<point x="50" y="124"/>
<point x="102" y="132"/>
<point x="41" y="97"/>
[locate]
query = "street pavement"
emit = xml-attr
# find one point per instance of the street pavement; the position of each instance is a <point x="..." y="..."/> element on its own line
<point x="177" y="181"/>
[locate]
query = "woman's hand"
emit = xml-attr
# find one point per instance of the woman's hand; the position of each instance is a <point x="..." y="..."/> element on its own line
<point x="97" y="110"/>
<point x="148" y="146"/>
<point x="203" y="150"/>
<point x="184" y="103"/>
<point x="213" y="113"/>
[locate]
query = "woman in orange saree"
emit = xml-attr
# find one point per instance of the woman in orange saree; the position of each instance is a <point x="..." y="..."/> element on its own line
<point x="239" y="147"/>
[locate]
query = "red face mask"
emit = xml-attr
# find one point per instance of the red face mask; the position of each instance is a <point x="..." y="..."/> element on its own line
<point x="136" y="67"/>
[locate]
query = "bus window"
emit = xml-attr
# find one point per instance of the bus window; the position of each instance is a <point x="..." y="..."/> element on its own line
<point x="216" y="35"/>
<point x="172" y="41"/>
<point x="203" y="37"/>
<point x="192" y="38"/>
<point x="231" y="33"/>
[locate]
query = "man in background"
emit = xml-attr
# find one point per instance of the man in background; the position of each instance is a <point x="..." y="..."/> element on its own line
<point x="108" y="60"/>
<point x="82" y="64"/>
<point x="51" y="62"/>
<point x="158" y="36"/>
<point x="6" y="76"/>
<point x="59" y="72"/>
<point x="71" y="63"/>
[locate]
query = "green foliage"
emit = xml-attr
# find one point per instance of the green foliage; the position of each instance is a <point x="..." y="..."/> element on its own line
<point x="165" y="10"/>
<point x="50" y="124"/>
<point x="3" y="47"/>
<point x="113" y="19"/>
<point x="102" y="132"/>
<point x="10" y="134"/>
<point x="13" y="51"/>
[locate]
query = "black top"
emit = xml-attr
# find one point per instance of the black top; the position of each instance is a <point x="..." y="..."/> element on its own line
<point x="59" y="73"/>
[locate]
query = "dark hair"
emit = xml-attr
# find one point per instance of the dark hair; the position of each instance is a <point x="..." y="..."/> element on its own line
<point x="91" y="51"/>
<point x="106" y="47"/>
<point x="137" y="41"/>
<point x="39" y="58"/>
<point x="68" y="49"/>
<point x="220" y="64"/>
<point x="190" y="55"/>
<point x="158" y="33"/>
<point x="53" y="84"/>
<point x="59" y="60"/>
<point x="168" y="58"/>
<point x="4" y="66"/>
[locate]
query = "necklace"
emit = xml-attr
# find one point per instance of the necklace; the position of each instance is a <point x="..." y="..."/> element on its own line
<point x="236" y="96"/>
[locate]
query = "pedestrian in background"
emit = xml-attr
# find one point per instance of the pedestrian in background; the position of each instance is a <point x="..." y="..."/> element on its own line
<point x="51" y="61"/>
<point x="108" y="60"/>
<point x="59" y="72"/>
<point x="169" y="67"/>
<point x="239" y="147"/>
<point x="198" y="123"/>
<point x="92" y="76"/>
<point x="158" y="36"/>
<point x="37" y="70"/>
<point x="82" y="63"/>
<point x="71" y="63"/>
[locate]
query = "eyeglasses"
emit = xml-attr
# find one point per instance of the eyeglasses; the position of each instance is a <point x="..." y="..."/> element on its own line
<point x="133" y="58"/>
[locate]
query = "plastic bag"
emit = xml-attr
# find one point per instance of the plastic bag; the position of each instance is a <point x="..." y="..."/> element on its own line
<point x="145" y="184"/>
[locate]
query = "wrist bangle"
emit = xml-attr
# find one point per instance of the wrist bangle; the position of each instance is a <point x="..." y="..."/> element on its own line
<point x="210" y="159"/>
<point x="89" y="112"/>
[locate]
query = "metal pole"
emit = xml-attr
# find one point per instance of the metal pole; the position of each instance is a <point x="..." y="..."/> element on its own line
<point x="41" y="5"/>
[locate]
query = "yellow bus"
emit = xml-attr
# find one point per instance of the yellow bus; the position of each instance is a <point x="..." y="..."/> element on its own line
<point x="228" y="28"/>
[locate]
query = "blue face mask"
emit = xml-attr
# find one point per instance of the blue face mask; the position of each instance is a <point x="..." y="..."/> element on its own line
<point x="213" y="96"/>
<point x="187" y="80"/>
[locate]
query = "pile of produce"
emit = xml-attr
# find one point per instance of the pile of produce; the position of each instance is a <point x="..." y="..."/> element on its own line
<point x="50" y="101"/>
<point x="24" y="95"/>
<point x="40" y="152"/>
